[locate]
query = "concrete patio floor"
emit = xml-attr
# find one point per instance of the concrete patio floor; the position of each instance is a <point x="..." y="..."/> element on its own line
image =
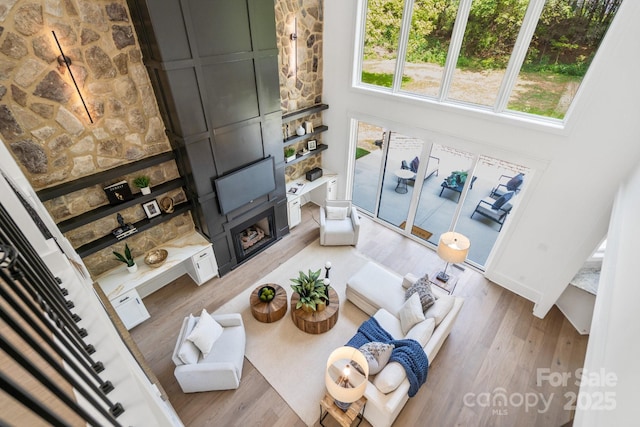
<point x="434" y="213"/>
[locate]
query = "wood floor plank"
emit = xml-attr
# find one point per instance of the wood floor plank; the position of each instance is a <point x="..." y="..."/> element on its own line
<point x="495" y="343"/>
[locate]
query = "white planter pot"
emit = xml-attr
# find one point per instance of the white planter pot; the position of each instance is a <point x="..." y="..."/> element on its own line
<point x="133" y="268"/>
<point x="145" y="190"/>
<point x="291" y="158"/>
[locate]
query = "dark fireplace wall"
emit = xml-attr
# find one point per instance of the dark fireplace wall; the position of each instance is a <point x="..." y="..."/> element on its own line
<point x="214" y="68"/>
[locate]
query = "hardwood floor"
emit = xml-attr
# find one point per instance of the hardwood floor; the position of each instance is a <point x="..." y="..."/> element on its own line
<point x="495" y="348"/>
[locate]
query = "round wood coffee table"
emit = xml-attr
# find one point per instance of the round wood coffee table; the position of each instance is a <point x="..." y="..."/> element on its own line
<point x="271" y="311"/>
<point x="316" y="322"/>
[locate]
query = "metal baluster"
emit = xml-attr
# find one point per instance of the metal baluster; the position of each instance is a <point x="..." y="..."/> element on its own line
<point x="48" y="383"/>
<point x="29" y="401"/>
<point x="76" y="351"/>
<point x="45" y="281"/>
<point x="104" y="386"/>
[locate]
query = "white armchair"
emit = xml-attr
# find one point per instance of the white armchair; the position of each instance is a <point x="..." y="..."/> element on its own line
<point x="222" y="368"/>
<point x="339" y="223"/>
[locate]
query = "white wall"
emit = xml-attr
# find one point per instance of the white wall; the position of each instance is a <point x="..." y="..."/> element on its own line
<point x="611" y="363"/>
<point x="563" y="214"/>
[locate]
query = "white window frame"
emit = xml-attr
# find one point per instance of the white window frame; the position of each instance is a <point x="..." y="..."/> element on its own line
<point x="529" y="24"/>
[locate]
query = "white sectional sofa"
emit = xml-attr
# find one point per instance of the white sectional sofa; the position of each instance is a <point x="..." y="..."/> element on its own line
<point x="381" y="294"/>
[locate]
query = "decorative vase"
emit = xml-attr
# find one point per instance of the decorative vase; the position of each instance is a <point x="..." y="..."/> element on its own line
<point x="300" y="130"/>
<point x="145" y="190"/>
<point x="132" y="268"/>
<point x="306" y="308"/>
<point x="321" y="306"/>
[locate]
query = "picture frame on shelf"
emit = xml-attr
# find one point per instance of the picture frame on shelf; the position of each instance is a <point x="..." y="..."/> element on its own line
<point x="312" y="144"/>
<point x="151" y="208"/>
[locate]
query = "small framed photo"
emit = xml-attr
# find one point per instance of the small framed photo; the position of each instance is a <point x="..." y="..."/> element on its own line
<point x="151" y="208"/>
<point x="311" y="144"/>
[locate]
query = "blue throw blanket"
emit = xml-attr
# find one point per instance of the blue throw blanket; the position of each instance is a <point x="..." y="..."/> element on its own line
<point x="407" y="352"/>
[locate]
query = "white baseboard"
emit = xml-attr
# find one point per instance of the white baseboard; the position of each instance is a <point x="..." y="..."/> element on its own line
<point x="516" y="287"/>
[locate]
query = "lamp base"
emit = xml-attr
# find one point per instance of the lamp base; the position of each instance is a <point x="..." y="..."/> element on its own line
<point x="342" y="405"/>
<point x="442" y="276"/>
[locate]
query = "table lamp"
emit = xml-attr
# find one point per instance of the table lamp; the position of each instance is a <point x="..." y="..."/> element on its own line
<point x="344" y="382"/>
<point x="453" y="248"/>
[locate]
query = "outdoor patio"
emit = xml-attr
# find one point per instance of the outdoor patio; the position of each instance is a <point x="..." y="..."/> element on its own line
<point x="434" y="213"/>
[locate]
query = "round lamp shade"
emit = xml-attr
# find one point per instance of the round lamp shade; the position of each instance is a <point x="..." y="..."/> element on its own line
<point x="453" y="247"/>
<point x="340" y="372"/>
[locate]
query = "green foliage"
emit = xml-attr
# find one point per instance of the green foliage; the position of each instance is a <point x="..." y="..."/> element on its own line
<point x="567" y="29"/>
<point x="142" y="181"/>
<point x="381" y="79"/>
<point x="289" y="151"/>
<point x="361" y="152"/>
<point x="311" y="289"/>
<point x="127" y="258"/>
<point x="545" y="66"/>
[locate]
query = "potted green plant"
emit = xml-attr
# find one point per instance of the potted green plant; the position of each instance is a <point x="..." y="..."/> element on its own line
<point x="312" y="291"/>
<point x="142" y="182"/>
<point x="289" y="154"/>
<point x="127" y="258"/>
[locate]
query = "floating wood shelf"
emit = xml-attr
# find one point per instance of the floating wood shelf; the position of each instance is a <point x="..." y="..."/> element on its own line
<point x="293" y="139"/>
<point x="142" y="225"/>
<point x="103" y="211"/>
<point x="298" y="114"/>
<point x="299" y="158"/>
<point x="102" y="178"/>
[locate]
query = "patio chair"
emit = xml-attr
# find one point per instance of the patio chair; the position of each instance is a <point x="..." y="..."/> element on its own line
<point x="507" y="183"/>
<point x="432" y="168"/>
<point x="455" y="182"/>
<point x="495" y="210"/>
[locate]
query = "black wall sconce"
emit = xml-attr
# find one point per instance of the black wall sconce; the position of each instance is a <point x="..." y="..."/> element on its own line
<point x="293" y="62"/>
<point x="65" y="60"/>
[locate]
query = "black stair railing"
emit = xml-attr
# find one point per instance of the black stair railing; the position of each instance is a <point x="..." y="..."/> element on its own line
<point x="35" y="307"/>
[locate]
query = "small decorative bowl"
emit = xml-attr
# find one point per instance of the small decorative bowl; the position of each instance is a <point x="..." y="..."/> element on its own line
<point x="156" y="257"/>
<point x="268" y="295"/>
<point x="166" y="204"/>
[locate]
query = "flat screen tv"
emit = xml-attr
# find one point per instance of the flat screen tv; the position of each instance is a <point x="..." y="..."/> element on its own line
<point x="244" y="185"/>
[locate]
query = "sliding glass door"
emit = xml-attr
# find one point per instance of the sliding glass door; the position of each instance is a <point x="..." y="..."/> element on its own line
<point x="441" y="195"/>
<point x="427" y="188"/>
<point x="400" y="174"/>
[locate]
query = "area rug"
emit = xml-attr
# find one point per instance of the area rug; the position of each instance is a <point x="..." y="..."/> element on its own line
<point x="292" y="361"/>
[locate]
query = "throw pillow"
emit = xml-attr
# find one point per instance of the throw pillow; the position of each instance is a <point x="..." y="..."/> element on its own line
<point x="206" y="332"/>
<point x="422" y="287"/>
<point x="514" y="183"/>
<point x="502" y="200"/>
<point x="422" y="332"/>
<point x="410" y="313"/>
<point x="188" y="353"/>
<point x="335" y="212"/>
<point x="415" y="163"/>
<point x="377" y="355"/>
<point x="390" y="377"/>
<point x="440" y="308"/>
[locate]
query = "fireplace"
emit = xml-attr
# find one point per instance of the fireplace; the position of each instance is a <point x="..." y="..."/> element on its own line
<point x="253" y="235"/>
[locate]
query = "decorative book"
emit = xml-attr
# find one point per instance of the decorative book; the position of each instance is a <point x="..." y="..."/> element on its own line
<point x="118" y="192"/>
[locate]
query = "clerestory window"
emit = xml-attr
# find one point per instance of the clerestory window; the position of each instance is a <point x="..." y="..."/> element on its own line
<point x="506" y="56"/>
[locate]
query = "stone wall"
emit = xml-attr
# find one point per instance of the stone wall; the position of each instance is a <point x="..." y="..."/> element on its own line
<point x="301" y="85"/>
<point x="44" y="123"/>
<point x="46" y="128"/>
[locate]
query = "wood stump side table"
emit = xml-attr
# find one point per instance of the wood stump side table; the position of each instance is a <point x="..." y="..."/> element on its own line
<point x="316" y="322"/>
<point x="344" y="418"/>
<point x="268" y="312"/>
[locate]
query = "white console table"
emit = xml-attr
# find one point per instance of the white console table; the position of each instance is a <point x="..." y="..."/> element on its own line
<point x="317" y="191"/>
<point x="191" y="254"/>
